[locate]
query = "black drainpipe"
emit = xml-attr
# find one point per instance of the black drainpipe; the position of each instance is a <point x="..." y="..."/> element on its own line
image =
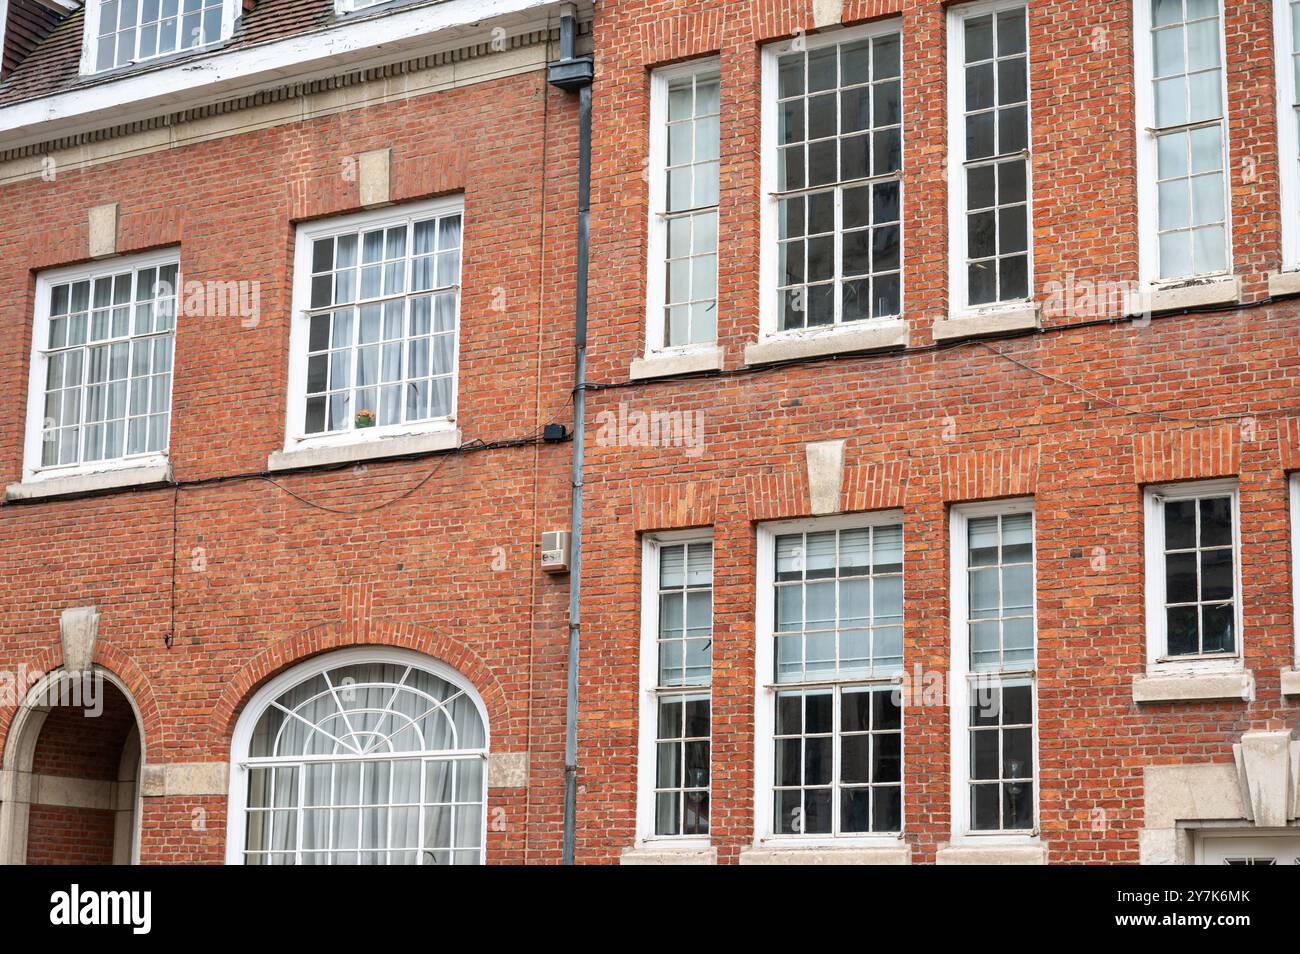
<point x="573" y="74"/>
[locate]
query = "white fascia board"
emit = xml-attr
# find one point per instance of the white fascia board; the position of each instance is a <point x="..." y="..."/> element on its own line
<point x="359" y="44"/>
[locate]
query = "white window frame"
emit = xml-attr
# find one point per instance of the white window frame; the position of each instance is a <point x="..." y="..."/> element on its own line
<point x="958" y="280"/>
<point x="296" y="403"/>
<point x="648" y="710"/>
<point x="769" y="262"/>
<point x="294" y="675"/>
<point x="1147" y="194"/>
<point x="231" y="11"/>
<point x="766" y="688"/>
<point x="657" y="226"/>
<point x="959" y="518"/>
<point x="1288" y="136"/>
<point x="1293" y="489"/>
<point x="1153" y="499"/>
<point x="33" y="470"/>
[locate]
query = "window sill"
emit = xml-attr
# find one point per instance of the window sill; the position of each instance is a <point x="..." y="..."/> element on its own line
<point x="968" y="854"/>
<point x="400" y="445"/>
<point x="668" y="854"/>
<point x="897" y="854"/>
<point x="989" y="321"/>
<point x="77" y="484"/>
<point x="663" y="364"/>
<point x="1291" y="682"/>
<point x="1283" y="284"/>
<point x="1194" y="293"/>
<point x="879" y="336"/>
<point x="1237" y="685"/>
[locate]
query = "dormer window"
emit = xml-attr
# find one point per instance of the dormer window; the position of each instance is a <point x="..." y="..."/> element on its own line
<point x="122" y="32"/>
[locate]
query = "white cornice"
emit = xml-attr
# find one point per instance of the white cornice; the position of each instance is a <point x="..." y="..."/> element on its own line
<point x="360" y="44"/>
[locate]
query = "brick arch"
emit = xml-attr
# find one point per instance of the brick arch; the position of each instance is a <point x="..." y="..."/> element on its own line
<point x="108" y="657"/>
<point x="295" y="649"/>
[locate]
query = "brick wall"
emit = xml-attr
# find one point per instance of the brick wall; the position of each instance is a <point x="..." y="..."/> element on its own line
<point x="69" y="836"/>
<point x="1080" y="417"/>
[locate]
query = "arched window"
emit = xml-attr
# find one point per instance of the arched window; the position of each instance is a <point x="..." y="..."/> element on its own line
<point x="361" y="757"/>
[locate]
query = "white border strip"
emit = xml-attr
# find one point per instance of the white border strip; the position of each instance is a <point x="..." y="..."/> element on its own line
<point x="193" y="82"/>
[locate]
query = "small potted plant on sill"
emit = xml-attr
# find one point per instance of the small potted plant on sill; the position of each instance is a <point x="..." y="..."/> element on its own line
<point x="365" y="418"/>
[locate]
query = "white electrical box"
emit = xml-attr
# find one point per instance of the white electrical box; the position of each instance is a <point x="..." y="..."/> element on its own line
<point x="555" y="551"/>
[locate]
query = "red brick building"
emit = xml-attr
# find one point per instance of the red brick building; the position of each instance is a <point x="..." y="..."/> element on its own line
<point x="359" y="485"/>
<point x="956" y="341"/>
<point x="939" y="419"/>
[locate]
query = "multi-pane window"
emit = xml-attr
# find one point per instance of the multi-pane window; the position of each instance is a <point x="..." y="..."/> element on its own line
<point x="994" y="653"/>
<point x="684" y="651"/>
<point x="1200" y="576"/>
<point x="839" y="603"/>
<point x="837" y="639"/>
<point x="1000" y="581"/>
<point x="133" y="30"/>
<point x="995" y="126"/>
<point x="108" y="365"/>
<point x="1188" y="127"/>
<point x="839" y="152"/>
<point x="686" y="218"/>
<point x="1002" y="757"/>
<point x="382" y="324"/>
<point x="838" y="761"/>
<point x="369" y="763"/>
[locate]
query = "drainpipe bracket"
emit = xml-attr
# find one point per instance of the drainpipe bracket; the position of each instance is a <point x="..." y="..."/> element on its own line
<point x="571" y="74"/>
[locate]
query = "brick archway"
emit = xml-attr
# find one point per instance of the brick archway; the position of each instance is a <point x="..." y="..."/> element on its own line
<point x="321" y="639"/>
<point x="116" y="665"/>
<point x="70" y="792"/>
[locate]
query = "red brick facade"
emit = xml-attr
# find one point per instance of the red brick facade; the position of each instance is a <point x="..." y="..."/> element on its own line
<point x="247" y="577"/>
<point x="212" y="586"/>
<point x="1079" y="417"/>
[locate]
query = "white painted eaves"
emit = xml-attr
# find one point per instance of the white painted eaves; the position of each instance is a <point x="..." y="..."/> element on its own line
<point x="361" y="44"/>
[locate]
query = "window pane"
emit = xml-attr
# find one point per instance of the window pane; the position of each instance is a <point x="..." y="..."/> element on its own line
<point x="1000" y="591"/>
<point x="1200" y="576"/>
<point x="419" y="368"/>
<point x="841" y="126"/>
<point x="1002" y="758"/>
<point x="683" y="730"/>
<point x="154" y="27"/>
<point x="126" y="390"/>
<point x="842" y="613"/>
<point x="690" y="173"/>
<point x="1187" y="84"/>
<point x="996" y="121"/>
<point x="326" y="810"/>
